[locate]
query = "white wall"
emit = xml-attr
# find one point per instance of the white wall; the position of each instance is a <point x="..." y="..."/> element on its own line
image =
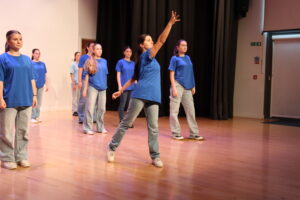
<point x="87" y="19"/>
<point x="249" y="93"/>
<point x="53" y="27"/>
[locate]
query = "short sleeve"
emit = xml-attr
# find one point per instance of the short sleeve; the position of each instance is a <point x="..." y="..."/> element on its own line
<point x="1" y="70"/>
<point x="72" y="70"/>
<point x="119" y="66"/>
<point x="146" y="57"/>
<point x="45" y="68"/>
<point x="81" y="61"/>
<point x="172" y="66"/>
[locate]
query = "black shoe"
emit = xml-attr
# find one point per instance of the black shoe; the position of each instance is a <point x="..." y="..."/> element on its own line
<point x="94" y="122"/>
<point x="80" y="122"/>
<point x="75" y="114"/>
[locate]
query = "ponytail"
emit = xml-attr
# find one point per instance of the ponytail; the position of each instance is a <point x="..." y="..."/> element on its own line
<point x="175" y="51"/>
<point x="137" y="56"/>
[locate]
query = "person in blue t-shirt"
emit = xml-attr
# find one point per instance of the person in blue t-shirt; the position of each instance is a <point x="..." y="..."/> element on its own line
<point x="95" y="86"/>
<point x="17" y="97"/>
<point x="74" y="85"/>
<point x="125" y="71"/>
<point x="81" y="77"/>
<point x="182" y="91"/>
<point x="41" y="80"/>
<point x="146" y="93"/>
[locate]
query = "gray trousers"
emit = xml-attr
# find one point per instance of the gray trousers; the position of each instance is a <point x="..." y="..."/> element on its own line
<point x="151" y="112"/>
<point x="36" y="111"/>
<point x="186" y="98"/>
<point x="75" y="98"/>
<point x="14" y="133"/>
<point x="95" y="98"/>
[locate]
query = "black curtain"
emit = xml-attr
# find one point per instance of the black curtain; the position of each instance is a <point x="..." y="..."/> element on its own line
<point x="120" y="22"/>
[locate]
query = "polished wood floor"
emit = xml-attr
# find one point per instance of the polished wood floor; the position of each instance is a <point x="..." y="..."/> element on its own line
<point x="240" y="159"/>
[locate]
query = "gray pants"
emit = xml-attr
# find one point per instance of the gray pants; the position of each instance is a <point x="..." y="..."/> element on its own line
<point x="75" y="99"/>
<point x="36" y="111"/>
<point x="186" y="98"/>
<point x="14" y="133"/>
<point x="151" y="112"/>
<point x="95" y="98"/>
<point x="124" y="99"/>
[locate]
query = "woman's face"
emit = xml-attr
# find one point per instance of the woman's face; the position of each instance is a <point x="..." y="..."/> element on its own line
<point x="182" y="48"/>
<point x="148" y="43"/>
<point x="77" y="57"/>
<point x="98" y="50"/>
<point x="15" y="41"/>
<point x="36" y="55"/>
<point x="127" y="53"/>
<point x="91" y="48"/>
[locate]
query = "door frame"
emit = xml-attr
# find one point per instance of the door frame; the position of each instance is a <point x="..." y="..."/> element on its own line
<point x="268" y="72"/>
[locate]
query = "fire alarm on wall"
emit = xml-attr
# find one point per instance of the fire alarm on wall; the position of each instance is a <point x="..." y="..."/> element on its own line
<point x="256" y="60"/>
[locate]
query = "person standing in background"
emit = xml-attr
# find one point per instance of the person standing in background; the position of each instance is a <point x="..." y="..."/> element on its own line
<point x="125" y="71"/>
<point x="74" y="85"/>
<point x="95" y="86"/>
<point x="41" y="79"/>
<point x="17" y="97"/>
<point x="182" y="91"/>
<point x="81" y="77"/>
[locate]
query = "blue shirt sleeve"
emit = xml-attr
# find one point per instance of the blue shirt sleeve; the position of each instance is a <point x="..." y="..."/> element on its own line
<point x="81" y="61"/>
<point x="119" y="66"/>
<point x="172" y="66"/>
<point x="45" y="68"/>
<point x="1" y="71"/>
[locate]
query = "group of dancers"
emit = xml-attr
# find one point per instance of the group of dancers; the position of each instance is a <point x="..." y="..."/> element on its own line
<point x="138" y="83"/>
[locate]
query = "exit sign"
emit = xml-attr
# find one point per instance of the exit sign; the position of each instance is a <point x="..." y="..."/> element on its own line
<point x="255" y="44"/>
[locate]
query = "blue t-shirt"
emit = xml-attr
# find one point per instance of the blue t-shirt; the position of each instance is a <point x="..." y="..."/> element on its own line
<point x="16" y="73"/>
<point x="99" y="80"/>
<point x="184" y="73"/>
<point x="127" y="70"/>
<point x="148" y="85"/>
<point x="39" y="73"/>
<point x="81" y="64"/>
<point x="74" y="71"/>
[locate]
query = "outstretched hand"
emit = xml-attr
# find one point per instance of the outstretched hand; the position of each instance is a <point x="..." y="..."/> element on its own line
<point x="174" y="17"/>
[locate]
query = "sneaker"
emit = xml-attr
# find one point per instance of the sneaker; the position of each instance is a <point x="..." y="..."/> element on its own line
<point x="196" y="137"/>
<point x="38" y="120"/>
<point x="157" y="162"/>
<point x="89" y="132"/>
<point x="24" y="163"/>
<point x="75" y="114"/>
<point x="110" y="155"/>
<point x="8" y="165"/>
<point x="178" y="137"/>
<point x="34" y="121"/>
<point x="131" y="126"/>
<point x="104" y="131"/>
<point x="80" y="122"/>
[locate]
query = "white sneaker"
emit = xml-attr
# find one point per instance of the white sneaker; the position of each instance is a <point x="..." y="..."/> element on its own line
<point x="89" y="132"/>
<point x="9" y="165"/>
<point x="104" y="131"/>
<point x="24" y="163"/>
<point x="196" y="137"/>
<point x="178" y="137"/>
<point x="34" y="121"/>
<point x="110" y="155"/>
<point x="39" y="120"/>
<point x="157" y="162"/>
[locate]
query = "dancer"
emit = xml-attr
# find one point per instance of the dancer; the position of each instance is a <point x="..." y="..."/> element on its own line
<point x="17" y="97"/>
<point x="182" y="91"/>
<point x="74" y="80"/>
<point x="95" y="86"/>
<point x="41" y="80"/>
<point x="125" y="71"/>
<point x="81" y="77"/>
<point x="146" y="94"/>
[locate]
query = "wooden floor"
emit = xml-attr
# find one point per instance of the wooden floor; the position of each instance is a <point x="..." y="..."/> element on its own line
<point x="240" y="159"/>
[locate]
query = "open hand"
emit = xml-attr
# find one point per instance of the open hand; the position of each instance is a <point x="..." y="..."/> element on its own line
<point x="174" y="18"/>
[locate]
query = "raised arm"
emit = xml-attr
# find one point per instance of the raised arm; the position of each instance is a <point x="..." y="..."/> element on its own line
<point x="164" y="35"/>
